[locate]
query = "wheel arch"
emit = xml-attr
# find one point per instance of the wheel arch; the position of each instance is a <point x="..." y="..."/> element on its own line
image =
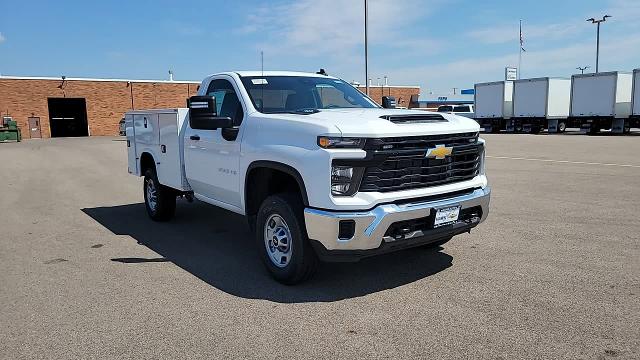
<point x="146" y="162"/>
<point x="269" y="167"/>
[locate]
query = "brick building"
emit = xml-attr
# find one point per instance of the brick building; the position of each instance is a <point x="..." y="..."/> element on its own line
<point x="56" y="107"/>
<point x="81" y="107"/>
<point x="402" y="94"/>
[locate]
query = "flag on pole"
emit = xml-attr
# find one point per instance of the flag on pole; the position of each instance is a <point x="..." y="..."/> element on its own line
<point x="521" y="38"/>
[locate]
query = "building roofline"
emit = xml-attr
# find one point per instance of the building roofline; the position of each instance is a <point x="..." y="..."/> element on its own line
<point x="59" y="78"/>
<point x="388" y="86"/>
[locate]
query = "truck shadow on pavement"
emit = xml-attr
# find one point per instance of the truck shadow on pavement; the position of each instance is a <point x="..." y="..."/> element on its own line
<point x="216" y="246"/>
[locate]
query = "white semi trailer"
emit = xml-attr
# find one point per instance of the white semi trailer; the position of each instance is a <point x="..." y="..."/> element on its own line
<point x="601" y="101"/>
<point x="541" y="103"/>
<point x="635" y="100"/>
<point x="493" y="103"/>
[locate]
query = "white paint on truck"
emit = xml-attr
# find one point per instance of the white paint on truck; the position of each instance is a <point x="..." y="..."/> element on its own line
<point x="279" y="147"/>
<point x="494" y="100"/>
<point x="605" y="94"/>
<point x="541" y="98"/>
<point x="636" y="92"/>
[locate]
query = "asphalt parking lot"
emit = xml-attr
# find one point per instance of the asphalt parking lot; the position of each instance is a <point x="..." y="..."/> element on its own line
<point x="553" y="273"/>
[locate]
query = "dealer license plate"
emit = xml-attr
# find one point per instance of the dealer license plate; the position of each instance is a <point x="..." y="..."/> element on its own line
<point x="446" y="216"/>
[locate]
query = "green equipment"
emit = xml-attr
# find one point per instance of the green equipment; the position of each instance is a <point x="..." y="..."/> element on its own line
<point x="9" y="130"/>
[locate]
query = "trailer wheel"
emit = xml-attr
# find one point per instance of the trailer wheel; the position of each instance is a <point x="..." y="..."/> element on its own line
<point x="159" y="200"/>
<point x="282" y="239"/>
<point x="562" y="126"/>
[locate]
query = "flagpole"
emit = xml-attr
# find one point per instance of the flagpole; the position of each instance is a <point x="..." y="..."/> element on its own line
<point x="520" y="55"/>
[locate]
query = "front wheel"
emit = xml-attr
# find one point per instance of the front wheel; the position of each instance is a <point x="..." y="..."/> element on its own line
<point x="282" y="240"/>
<point x="159" y="200"/>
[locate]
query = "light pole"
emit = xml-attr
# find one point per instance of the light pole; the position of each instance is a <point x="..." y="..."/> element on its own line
<point x="583" y="68"/>
<point x="366" y="50"/>
<point x="597" y="22"/>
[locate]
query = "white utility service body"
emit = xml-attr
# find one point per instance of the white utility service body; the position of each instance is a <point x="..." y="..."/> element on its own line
<point x="493" y="102"/>
<point x="355" y="199"/>
<point x="157" y="132"/>
<point x="601" y="100"/>
<point x="635" y="100"/>
<point x="537" y="101"/>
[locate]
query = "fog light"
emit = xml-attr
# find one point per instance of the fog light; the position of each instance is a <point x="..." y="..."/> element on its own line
<point x="341" y="177"/>
<point x="346" y="229"/>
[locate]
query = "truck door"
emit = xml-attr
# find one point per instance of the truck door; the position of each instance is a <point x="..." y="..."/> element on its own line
<point x="212" y="157"/>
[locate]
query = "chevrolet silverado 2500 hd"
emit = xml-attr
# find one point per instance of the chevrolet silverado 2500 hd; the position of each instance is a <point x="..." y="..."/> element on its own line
<point x="320" y="171"/>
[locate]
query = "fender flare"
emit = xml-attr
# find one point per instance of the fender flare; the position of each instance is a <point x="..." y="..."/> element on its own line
<point x="280" y="167"/>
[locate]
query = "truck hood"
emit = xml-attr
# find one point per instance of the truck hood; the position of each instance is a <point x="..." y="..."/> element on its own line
<point x="372" y="122"/>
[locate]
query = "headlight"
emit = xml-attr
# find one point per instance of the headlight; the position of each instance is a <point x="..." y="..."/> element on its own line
<point x="328" y="142"/>
<point x="345" y="180"/>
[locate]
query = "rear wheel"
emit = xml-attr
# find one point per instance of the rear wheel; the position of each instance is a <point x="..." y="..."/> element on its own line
<point x="282" y="239"/>
<point x="562" y="126"/>
<point x="159" y="200"/>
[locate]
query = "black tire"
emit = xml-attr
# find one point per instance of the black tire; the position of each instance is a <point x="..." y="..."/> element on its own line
<point x="562" y="126"/>
<point x="165" y="205"/>
<point x="302" y="260"/>
<point x="436" y="243"/>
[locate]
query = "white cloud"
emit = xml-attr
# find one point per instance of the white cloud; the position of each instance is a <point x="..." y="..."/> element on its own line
<point x="332" y="28"/>
<point x="619" y="54"/>
<point x="507" y="33"/>
<point x="2" y="38"/>
<point x="625" y="13"/>
<point x="329" y="34"/>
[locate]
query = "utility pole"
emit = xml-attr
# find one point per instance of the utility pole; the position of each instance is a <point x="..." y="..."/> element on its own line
<point x="521" y="48"/>
<point x="366" y="49"/>
<point x="597" y="22"/>
<point x="583" y="68"/>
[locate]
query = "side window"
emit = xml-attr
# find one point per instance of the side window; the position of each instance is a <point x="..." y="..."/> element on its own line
<point x="227" y="102"/>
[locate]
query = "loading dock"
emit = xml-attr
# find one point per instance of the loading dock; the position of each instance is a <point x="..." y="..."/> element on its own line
<point x="68" y="117"/>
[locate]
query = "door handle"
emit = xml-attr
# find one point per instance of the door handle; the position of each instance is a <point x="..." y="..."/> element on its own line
<point x="194" y="137"/>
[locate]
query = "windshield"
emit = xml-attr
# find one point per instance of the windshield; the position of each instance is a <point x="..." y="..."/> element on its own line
<point x="445" y="108"/>
<point x="302" y="94"/>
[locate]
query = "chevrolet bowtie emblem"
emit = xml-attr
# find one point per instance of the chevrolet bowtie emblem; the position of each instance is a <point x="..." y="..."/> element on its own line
<point x="439" y="152"/>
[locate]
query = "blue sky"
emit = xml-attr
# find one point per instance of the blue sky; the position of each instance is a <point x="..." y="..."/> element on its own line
<point x="436" y="44"/>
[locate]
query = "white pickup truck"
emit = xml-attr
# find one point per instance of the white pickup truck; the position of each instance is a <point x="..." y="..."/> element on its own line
<point x="320" y="170"/>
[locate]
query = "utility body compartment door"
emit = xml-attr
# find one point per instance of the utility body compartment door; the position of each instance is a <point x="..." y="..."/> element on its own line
<point x="131" y="145"/>
<point x="169" y="163"/>
<point x="146" y="128"/>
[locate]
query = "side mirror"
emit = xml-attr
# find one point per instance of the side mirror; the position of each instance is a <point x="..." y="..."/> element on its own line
<point x="204" y="116"/>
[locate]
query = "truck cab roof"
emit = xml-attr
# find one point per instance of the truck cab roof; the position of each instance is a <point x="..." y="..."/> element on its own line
<point x="271" y="73"/>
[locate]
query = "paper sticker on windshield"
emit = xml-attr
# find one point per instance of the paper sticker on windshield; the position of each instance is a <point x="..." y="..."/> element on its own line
<point x="259" y="81"/>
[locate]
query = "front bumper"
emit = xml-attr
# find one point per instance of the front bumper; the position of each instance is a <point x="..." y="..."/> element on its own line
<point x="371" y="235"/>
